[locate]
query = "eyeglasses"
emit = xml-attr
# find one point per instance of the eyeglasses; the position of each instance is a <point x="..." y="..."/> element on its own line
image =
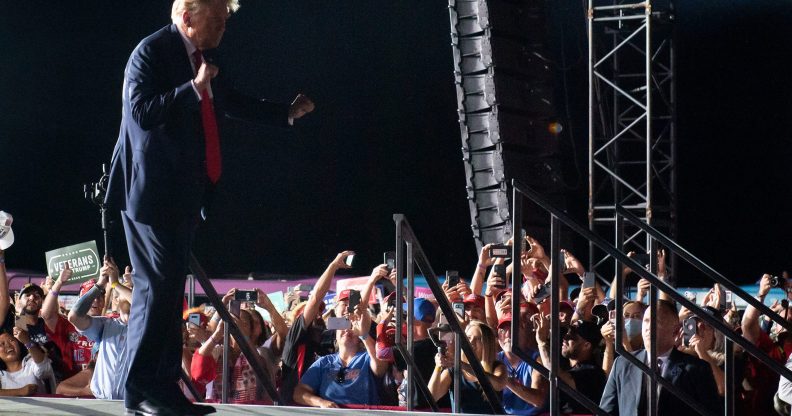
<point x="341" y="375"/>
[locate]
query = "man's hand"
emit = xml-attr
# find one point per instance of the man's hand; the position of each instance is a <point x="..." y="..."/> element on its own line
<point x="764" y="286"/>
<point x="65" y="274"/>
<point x="542" y="322"/>
<point x="535" y="250"/>
<point x="327" y="404"/>
<point x="109" y="271"/>
<point x="379" y="272"/>
<point x="340" y="261"/>
<point x="608" y="333"/>
<point x="127" y="275"/>
<point x="205" y="74"/>
<point x="643" y="288"/>
<point x="495" y="285"/>
<point x="484" y="258"/>
<point x="301" y="106"/>
<point x="229" y="296"/>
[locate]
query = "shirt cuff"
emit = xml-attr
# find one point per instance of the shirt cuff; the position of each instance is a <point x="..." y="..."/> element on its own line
<point x="197" y="94"/>
<point x="291" y="121"/>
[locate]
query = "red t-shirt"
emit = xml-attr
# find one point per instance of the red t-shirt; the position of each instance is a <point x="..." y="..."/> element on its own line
<point x="762" y="379"/>
<point x="62" y="337"/>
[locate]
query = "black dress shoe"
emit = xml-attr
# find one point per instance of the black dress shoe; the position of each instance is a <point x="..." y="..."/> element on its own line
<point x="149" y="408"/>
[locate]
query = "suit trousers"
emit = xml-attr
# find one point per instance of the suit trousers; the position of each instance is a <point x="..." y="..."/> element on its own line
<point x="159" y="255"/>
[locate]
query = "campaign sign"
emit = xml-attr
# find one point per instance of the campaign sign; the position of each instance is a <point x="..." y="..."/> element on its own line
<point x="82" y="258"/>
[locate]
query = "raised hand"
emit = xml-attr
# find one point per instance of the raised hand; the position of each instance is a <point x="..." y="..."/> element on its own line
<point x="301" y="106"/>
<point x="484" y="257"/>
<point x="66" y="273"/>
<point x="534" y="249"/>
<point x="340" y="260"/>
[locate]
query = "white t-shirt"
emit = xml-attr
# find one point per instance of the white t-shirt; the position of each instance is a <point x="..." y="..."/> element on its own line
<point x="31" y="373"/>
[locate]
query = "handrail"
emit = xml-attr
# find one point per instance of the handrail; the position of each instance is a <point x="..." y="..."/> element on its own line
<point x="703" y="267"/>
<point x="516" y="283"/>
<point x="657" y="283"/>
<point x="405" y="235"/>
<point x="262" y="374"/>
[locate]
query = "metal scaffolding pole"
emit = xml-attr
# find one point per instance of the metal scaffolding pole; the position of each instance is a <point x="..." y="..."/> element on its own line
<point x="632" y="121"/>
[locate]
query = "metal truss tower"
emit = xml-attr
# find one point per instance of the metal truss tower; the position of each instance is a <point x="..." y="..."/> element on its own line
<point x="632" y="122"/>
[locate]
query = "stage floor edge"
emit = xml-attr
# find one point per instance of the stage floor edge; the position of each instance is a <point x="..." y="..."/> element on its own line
<point x="42" y="406"/>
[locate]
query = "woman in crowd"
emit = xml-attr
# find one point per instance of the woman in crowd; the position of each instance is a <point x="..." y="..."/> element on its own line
<point x="631" y="338"/>
<point x="347" y="376"/>
<point x="206" y="369"/>
<point x="23" y="371"/>
<point x="485" y="346"/>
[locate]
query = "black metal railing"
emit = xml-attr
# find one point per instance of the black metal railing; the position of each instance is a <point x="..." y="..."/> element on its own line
<point x="409" y="252"/>
<point x="231" y="329"/>
<point x="521" y="191"/>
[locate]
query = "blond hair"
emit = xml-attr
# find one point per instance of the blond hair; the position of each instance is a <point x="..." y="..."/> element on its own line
<point x="193" y="6"/>
<point x="489" y="344"/>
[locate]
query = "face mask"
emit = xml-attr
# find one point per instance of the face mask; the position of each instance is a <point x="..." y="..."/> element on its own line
<point x="632" y="327"/>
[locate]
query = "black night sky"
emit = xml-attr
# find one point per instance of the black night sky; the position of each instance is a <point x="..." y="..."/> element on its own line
<point x="385" y="137"/>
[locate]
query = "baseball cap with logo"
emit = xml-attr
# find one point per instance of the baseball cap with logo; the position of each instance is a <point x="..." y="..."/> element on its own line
<point x="6" y="234"/>
<point x="31" y="287"/>
<point x="86" y="286"/>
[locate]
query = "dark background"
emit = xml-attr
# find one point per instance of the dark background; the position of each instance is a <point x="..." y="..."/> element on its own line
<point x="384" y="137"/>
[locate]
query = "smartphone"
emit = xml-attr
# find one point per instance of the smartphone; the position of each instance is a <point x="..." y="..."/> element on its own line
<point x="690" y="296"/>
<point x="390" y="259"/>
<point x="523" y="242"/>
<point x="499" y="251"/>
<point x="349" y="259"/>
<point x="500" y="270"/>
<point x="459" y="309"/>
<point x="543" y="293"/>
<point x="689" y="327"/>
<point x="452" y="277"/>
<point x="588" y="279"/>
<point x="195" y="319"/>
<point x="722" y="297"/>
<point x="246" y="295"/>
<point x="441" y="345"/>
<point x="612" y="317"/>
<point x="234" y="307"/>
<point x="20" y="323"/>
<point x="338" y="324"/>
<point x="354" y="300"/>
<point x="729" y="297"/>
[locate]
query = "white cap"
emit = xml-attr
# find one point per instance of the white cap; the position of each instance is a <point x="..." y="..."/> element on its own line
<point x="6" y="235"/>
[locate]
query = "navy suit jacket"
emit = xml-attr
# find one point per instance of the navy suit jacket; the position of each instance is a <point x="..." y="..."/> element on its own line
<point x="158" y="168"/>
<point x="623" y="390"/>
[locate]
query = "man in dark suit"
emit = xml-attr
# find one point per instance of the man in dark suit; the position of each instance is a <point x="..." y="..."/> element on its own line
<point x="166" y="161"/>
<point x="626" y="392"/>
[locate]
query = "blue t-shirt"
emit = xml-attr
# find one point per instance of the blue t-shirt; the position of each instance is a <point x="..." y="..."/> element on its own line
<point x="355" y="385"/>
<point x="512" y="403"/>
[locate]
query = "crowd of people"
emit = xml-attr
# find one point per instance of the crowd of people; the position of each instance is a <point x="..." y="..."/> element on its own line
<point x="342" y="353"/>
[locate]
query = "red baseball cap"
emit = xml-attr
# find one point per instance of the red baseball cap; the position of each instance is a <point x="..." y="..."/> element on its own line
<point x="506" y="318"/>
<point x="343" y="295"/>
<point x="475" y="300"/>
<point x="86" y="286"/>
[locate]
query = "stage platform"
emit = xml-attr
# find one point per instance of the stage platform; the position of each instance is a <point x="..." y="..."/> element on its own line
<point x="42" y="406"/>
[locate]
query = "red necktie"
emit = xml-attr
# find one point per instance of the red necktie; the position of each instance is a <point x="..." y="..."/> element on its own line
<point x="211" y="137"/>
